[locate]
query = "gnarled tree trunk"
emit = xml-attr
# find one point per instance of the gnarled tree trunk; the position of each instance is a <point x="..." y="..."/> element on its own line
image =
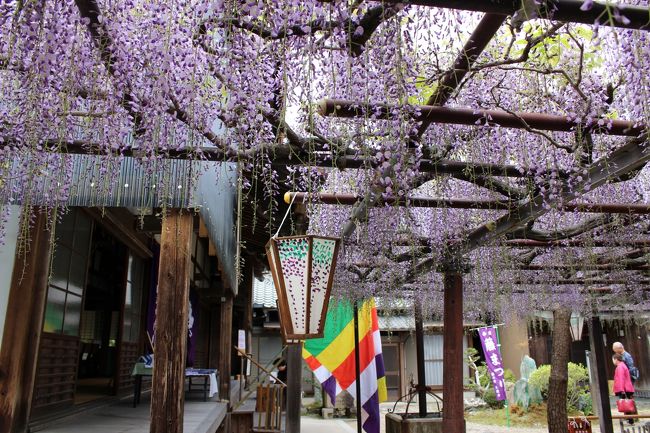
<point x="557" y="388"/>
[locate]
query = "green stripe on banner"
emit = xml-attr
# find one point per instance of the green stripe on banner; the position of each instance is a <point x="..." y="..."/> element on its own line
<point x="339" y="314"/>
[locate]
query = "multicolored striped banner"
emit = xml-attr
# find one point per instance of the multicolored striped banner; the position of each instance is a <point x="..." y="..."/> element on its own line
<point x="331" y="358"/>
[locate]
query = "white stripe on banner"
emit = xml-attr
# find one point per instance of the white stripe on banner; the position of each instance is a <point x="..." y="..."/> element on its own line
<point x="376" y="338"/>
<point x="368" y="387"/>
<point x="368" y="382"/>
<point x="322" y="374"/>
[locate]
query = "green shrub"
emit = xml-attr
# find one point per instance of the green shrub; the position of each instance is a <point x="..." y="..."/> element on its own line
<point x="490" y="398"/>
<point x="540" y="379"/>
<point x="578" y="397"/>
<point x="585" y="404"/>
<point x="485" y="381"/>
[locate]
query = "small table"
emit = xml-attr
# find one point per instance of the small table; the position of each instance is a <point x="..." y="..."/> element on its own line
<point x="209" y="385"/>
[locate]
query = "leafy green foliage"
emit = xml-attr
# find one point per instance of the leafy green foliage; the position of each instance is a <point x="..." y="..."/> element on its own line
<point x="490" y="398"/>
<point x="578" y="396"/>
<point x="425" y="90"/>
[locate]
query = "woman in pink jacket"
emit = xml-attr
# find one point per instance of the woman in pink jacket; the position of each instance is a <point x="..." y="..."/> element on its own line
<point x="623" y="387"/>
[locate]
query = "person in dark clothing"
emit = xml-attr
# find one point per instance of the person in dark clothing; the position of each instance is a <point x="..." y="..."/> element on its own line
<point x="281" y="375"/>
<point x="282" y="371"/>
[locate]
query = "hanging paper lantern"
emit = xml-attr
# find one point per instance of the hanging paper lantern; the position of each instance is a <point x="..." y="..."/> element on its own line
<point x="303" y="272"/>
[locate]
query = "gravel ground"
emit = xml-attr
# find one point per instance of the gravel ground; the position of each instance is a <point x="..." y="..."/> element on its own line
<point x="642" y="404"/>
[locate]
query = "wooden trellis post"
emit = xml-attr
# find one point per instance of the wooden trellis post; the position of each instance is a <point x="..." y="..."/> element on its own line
<point x="23" y="326"/>
<point x="453" y="418"/>
<point x="170" y="347"/>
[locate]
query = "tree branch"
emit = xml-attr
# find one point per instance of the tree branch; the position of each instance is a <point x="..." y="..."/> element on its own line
<point x="493" y="184"/>
<point x="357" y="34"/>
<point x="565" y="233"/>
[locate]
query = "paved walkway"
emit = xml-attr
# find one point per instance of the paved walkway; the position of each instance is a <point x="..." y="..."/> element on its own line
<point x="319" y="425"/>
<point x="351" y="424"/>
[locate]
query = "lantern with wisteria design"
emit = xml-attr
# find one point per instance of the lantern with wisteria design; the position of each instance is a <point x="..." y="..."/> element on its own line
<point x="303" y="272"/>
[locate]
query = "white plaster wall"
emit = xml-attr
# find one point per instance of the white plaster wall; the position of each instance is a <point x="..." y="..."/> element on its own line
<point x="7" y="256"/>
<point x="514" y="343"/>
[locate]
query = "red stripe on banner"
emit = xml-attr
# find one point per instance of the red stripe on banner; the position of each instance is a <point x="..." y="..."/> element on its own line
<point x="345" y="372"/>
<point x="375" y="322"/>
<point x="313" y="363"/>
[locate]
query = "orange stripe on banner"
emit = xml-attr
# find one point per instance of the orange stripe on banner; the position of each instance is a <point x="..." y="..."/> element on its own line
<point x="345" y="373"/>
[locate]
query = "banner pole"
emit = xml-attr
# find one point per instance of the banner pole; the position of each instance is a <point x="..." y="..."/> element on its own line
<point x="496" y="328"/>
<point x="357" y="361"/>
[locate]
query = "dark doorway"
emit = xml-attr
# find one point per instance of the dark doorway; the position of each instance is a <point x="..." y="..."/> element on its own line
<point x="100" y="317"/>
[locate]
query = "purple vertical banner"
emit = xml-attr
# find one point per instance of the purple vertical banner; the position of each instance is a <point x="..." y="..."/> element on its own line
<point x="493" y="360"/>
<point x="192" y="327"/>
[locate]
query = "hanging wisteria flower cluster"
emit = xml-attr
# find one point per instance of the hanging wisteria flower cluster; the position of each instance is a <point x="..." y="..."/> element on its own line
<point x="249" y="82"/>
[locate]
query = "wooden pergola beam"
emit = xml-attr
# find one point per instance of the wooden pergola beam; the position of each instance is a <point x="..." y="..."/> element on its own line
<point x="570" y="243"/>
<point x="458" y="203"/>
<point x="638" y="17"/>
<point x="477" y="117"/>
<point x="580" y="282"/>
<point x="478" y="40"/>
<point x="630" y="157"/>
<point x="627" y="158"/>
<point x="592" y="290"/>
<point x="531" y="243"/>
<point x="585" y="267"/>
<point x="281" y="156"/>
<point x="476" y="43"/>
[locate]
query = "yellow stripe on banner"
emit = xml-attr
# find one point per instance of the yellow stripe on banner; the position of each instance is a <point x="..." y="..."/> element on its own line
<point x="382" y="392"/>
<point x="339" y="349"/>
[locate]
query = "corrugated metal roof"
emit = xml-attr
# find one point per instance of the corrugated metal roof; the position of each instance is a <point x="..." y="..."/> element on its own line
<point x="81" y="180"/>
<point x="407" y="323"/>
<point x="264" y="292"/>
<point x="208" y="186"/>
<point x="396" y="323"/>
<point x="216" y="197"/>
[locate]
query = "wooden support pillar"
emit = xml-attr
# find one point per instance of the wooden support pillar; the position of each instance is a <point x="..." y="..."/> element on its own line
<point x="294" y="382"/>
<point x="557" y="384"/>
<point x="419" y="350"/>
<point x="226" y="350"/>
<point x="599" y="360"/>
<point x="452" y="381"/>
<point x="22" y="327"/>
<point x="167" y="393"/>
<point x="294" y="351"/>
